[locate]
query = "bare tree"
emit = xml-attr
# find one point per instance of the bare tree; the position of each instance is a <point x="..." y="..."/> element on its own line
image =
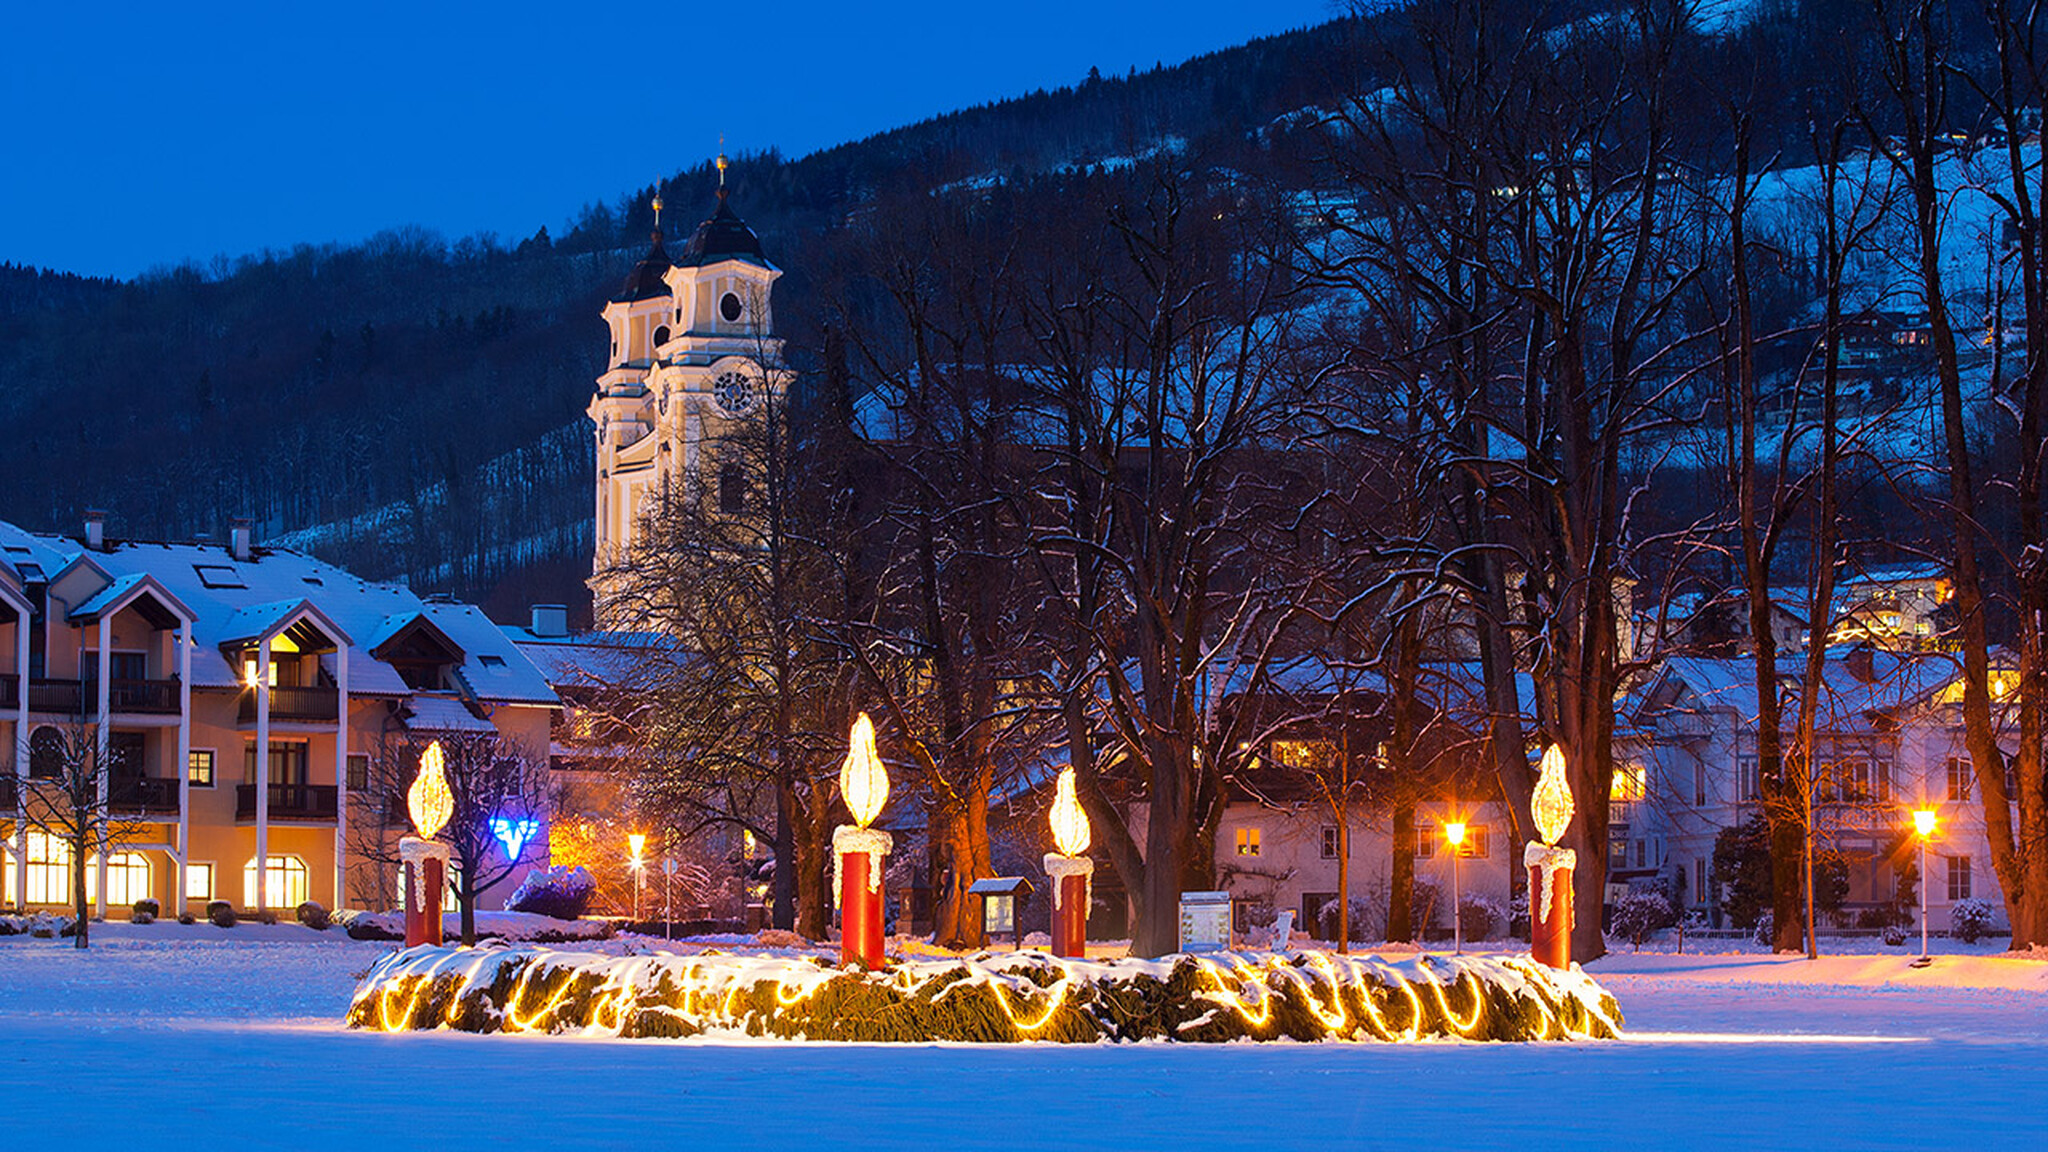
<point x="66" y="798"/>
<point x="497" y="783"/>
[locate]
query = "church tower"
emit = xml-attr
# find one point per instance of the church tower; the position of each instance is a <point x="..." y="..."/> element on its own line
<point x="693" y="354"/>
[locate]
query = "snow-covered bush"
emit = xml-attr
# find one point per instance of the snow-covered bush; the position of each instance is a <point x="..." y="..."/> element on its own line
<point x="1479" y="916"/>
<point x="146" y="907"/>
<point x="314" y="916"/>
<point x="1360" y="926"/>
<point x="563" y="893"/>
<point x="1640" y="913"/>
<point x="779" y="938"/>
<point x="187" y="918"/>
<point x="221" y="913"/>
<point x="1518" y="915"/>
<point x="142" y="918"/>
<point x="1427" y="908"/>
<point x="1894" y="935"/>
<point x="1766" y="928"/>
<point x="1003" y="997"/>
<point x="1970" y="920"/>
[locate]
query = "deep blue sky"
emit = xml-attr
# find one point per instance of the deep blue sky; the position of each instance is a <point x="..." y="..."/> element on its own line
<point x="139" y="135"/>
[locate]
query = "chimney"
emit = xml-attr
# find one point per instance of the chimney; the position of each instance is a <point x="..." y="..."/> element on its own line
<point x="95" y="529"/>
<point x="550" y="620"/>
<point x="238" y="535"/>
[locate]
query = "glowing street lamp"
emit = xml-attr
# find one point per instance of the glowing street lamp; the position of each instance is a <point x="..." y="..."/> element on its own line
<point x="1071" y="872"/>
<point x="1454" y="835"/>
<point x="636" y="843"/>
<point x="1923" y="826"/>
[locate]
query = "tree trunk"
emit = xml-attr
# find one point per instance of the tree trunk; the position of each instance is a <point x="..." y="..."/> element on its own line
<point x="1401" y="888"/>
<point x="783" y="915"/>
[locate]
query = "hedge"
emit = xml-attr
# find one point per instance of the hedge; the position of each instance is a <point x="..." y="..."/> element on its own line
<point x="987" y="997"/>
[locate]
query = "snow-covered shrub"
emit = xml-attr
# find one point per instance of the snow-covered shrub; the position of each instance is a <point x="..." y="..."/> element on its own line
<point x="313" y="915"/>
<point x="1479" y="916"/>
<point x="1766" y="928"/>
<point x="1894" y="935"/>
<point x="983" y="998"/>
<point x="187" y="918"/>
<point x="779" y="938"/>
<point x="1970" y="920"/>
<point x="1640" y="913"/>
<point x="146" y="907"/>
<point x="142" y="918"/>
<point x="221" y="913"/>
<point x="1427" y="908"/>
<point x="44" y="926"/>
<point x="1361" y="920"/>
<point x="1518" y="915"/>
<point x="563" y="893"/>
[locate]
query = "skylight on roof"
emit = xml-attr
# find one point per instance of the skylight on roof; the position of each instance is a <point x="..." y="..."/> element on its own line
<point x="490" y="661"/>
<point x="219" y="576"/>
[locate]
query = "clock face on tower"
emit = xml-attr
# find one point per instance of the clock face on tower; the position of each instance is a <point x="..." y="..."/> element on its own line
<point x="734" y="392"/>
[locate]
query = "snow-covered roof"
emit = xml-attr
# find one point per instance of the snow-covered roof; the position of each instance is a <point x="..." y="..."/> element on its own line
<point x="586" y="659"/>
<point x="1850" y="691"/>
<point x="442" y="714"/>
<point x="234" y="601"/>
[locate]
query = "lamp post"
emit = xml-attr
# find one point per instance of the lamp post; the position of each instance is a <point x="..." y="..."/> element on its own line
<point x="1923" y="825"/>
<point x="636" y="842"/>
<point x="858" y="850"/>
<point x="1454" y="835"/>
<point x="1072" y="873"/>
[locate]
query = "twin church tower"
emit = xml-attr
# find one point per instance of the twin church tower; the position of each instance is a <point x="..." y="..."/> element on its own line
<point x="693" y="353"/>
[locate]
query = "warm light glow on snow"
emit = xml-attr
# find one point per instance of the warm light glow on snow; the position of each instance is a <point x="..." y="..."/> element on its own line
<point x="1069" y="822"/>
<point x="428" y="800"/>
<point x="862" y="779"/>
<point x="1551" y="806"/>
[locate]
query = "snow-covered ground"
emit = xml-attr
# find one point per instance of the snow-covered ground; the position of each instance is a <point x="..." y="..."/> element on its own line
<point x="178" y="1037"/>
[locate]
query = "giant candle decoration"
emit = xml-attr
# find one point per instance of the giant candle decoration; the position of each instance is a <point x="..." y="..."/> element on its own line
<point x="1071" y="873"/>
<point x="858" y="850"/>
<point x="429" y="800"/>
<point x="1550" y="867"/>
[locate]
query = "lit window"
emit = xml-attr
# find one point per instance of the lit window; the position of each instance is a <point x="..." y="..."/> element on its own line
<point x="198" y="881"/>
<point x="127" y="878"/>
<point x="49" y="870"/>
<point x="1959" y="777"/>
<point x="199" y="767"/>
<point x="1476" y="844"/>
<point x="1307" y="755"/>
<point x="358" y="772"/>
<point x="249" y="672"/>
<point x="1329" y="841"/>
<point x="1958" y="878"/>
<point x="1425" y="841"/>
<point x="284" y="882"/>
<point x="1247" y="841"/>
<point x="1630" y="781"/>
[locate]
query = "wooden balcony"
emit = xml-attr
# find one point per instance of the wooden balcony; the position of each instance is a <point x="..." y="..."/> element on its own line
<point x="142" y="794"/>
<point x="288" y="802"/>
<point x="317" y="705"/>
<point x="82" y="697"/>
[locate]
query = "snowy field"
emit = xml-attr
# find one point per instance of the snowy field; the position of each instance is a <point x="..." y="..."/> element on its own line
<point x="170" y="1037"/>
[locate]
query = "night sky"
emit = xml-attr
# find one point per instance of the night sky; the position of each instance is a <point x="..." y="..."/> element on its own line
<point x="144" y="135"/>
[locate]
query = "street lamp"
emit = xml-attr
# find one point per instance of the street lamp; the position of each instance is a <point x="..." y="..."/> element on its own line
<point x="1454" y="835"/>
<point x="635" y="843"/>
<point x="1923" y="825"/>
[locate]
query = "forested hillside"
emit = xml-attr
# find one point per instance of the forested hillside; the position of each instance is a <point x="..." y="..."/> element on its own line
<point x="330" y="383"/>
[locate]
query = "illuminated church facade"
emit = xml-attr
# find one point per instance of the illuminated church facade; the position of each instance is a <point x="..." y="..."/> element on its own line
<point x="693" y="356"/>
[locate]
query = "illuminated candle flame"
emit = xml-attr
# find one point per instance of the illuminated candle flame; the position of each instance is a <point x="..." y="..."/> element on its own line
<point x="1551" y="806"/>
<point x="862" y="779"/>
<point x="1069" y="822"/>
<point x="429" y="800"/>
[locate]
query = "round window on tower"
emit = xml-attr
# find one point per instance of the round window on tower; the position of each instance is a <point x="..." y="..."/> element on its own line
<point x="734" y="393"/>
<point x="661" y="336"/>
<point x="731" y="308"/>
